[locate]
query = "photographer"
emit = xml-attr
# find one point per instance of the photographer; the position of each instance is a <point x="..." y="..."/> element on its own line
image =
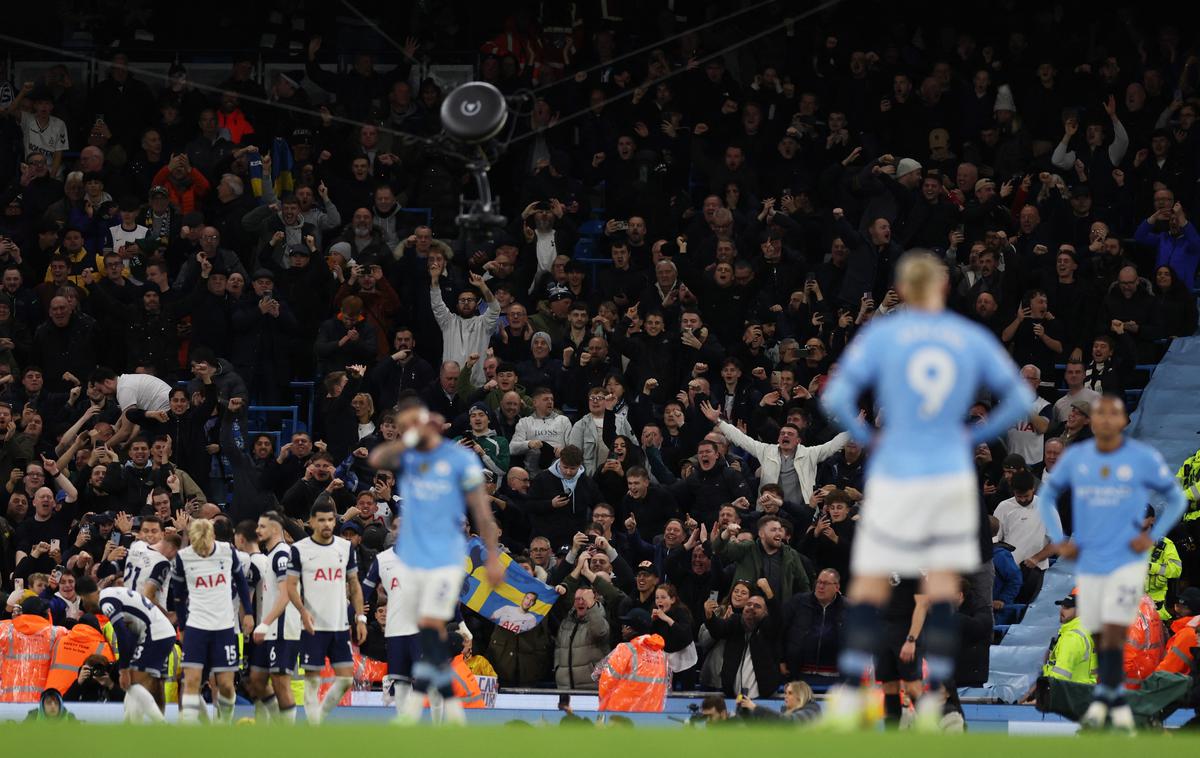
<point x="95" y="683"/>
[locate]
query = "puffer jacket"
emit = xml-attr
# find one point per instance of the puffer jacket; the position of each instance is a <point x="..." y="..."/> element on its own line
<point x="520" y="660"/>
<point x="580" y="646"/>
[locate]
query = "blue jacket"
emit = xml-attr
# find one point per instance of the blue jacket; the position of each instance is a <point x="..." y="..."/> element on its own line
<point x="1007" y="583"/>
<point x="1181" y="253"/>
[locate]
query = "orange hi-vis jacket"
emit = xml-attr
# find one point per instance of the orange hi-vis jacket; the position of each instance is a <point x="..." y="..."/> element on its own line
<point x="1145" y="643"/>
<point x="634" y="677"/>
<point x="1179" y="650"/>
<point x="466" y="686"/>
<point x="27" y="645"/>
<point x="74" y="648"/>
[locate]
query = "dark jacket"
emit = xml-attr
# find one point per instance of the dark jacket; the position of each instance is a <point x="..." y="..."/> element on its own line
<point x="704" y="492"/>
<point x="812" y="633"/>
<point x="559" y="525"/>
<point x="71" y="348"/>
<point x="186" y="431"/>
<point x="389" y="377"/>
<point x="974" y="653"/>
<point x="763" y="642"/>
<point x="520" y="660"/>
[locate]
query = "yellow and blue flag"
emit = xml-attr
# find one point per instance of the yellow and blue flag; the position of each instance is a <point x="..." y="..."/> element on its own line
<point x="282" y="164"/>
<point x="518" y="604"/>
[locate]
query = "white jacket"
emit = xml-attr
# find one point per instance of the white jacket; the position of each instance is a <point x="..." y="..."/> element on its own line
<point x="806" y="461"/>
<point x="463" y="336"/>
<point x="588" y="438"/>
<point x="552" y="430"/>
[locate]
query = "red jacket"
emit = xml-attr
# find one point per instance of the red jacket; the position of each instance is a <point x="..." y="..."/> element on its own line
<point x="188" y="197"/>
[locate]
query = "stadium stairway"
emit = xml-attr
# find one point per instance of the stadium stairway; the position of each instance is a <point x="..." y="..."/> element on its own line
<point x="1017" y="661"/>
<point x="1168" y="418"/>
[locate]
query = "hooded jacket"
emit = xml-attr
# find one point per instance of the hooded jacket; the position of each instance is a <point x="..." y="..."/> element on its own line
<point x="634" y="677"/>
<point x="559" y="525"/>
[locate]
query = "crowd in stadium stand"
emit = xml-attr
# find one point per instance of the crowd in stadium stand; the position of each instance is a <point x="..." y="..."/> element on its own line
<point x="636" y="358"/>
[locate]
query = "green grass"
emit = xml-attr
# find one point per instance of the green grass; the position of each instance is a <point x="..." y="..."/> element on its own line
<point x="370" y="740"/>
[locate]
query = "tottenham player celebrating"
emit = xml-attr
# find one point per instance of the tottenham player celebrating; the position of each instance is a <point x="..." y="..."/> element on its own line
<point x="206" y="575"/>
<point x="148" y="565"/>
<point x="328" y="574"/>
<point x="438" y="481"/>
<point x="920" y="513"/>
<point x="1109" y="478"/>
<point x="278" y="633"/>
<point x="145" y="639"/>
<point x="400" y="631"/>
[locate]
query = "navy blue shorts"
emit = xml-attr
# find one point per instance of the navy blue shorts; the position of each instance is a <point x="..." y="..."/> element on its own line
<point x="215" y="650"/>
<point x="151" y="656"/>
<point x="402" y="653"/>
<point x="275" y="656"/>
<point x="316" y="647"/>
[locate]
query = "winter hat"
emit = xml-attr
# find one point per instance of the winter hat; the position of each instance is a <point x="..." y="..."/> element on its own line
<point x="906" y="166"/>
<point x="1004" y="99"/>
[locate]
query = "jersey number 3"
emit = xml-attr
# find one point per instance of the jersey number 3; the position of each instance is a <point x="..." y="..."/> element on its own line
<point x="931" y="374"/>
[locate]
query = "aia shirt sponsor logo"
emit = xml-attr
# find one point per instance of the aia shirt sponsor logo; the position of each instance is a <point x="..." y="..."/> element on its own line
<point x="329" y="575"/>
<point x="208" y="582"/>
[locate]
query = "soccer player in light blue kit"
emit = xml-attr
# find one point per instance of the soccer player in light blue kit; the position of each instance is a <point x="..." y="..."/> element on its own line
<point x="438" y="482"/>
<point x="920" y="513"/>
<point x="1109" y="478"/>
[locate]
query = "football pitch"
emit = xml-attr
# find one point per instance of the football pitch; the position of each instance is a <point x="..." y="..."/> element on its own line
<point x="520" y="741"/>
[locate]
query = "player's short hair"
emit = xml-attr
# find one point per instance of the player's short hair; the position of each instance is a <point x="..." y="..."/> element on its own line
<point x="919" y="272"/>
<point x="174" y="540"/>
<point x="247" y="530"/>
<point x="571" y="456"/>
<point x="85" y="585"/>
<point x="323" y="504"/>
<point x="101" y="374"/>
<point x="407" y="403"/>
<point x="1022" y="481"/>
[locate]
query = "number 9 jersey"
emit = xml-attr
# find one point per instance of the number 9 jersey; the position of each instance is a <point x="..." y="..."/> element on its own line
<point x="926" y="370"/>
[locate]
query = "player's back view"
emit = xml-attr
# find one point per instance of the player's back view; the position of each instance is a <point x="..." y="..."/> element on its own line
<point x="920" y="512"/>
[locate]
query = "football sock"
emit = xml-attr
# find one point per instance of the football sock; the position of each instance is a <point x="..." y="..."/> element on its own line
<point x="225" y="708"/>
<point x="312" y="699"/>
<point x="334" y="696"/>
<point x="859" y="643"/>
<point x="401" y="691"/>
<point x="1110" y="676"/>
<point x="891" y="710"/>
<point x="190" y="708"/>
<point x="287" y="715"/>
<point x="941" y="643"/>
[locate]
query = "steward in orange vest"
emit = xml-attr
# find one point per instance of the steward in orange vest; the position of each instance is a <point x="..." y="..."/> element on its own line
<point x="1179" y="658"/>
<point x="27" y="646"/>
<point x="634" y="676"/>
<point x="83" y="641"/>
